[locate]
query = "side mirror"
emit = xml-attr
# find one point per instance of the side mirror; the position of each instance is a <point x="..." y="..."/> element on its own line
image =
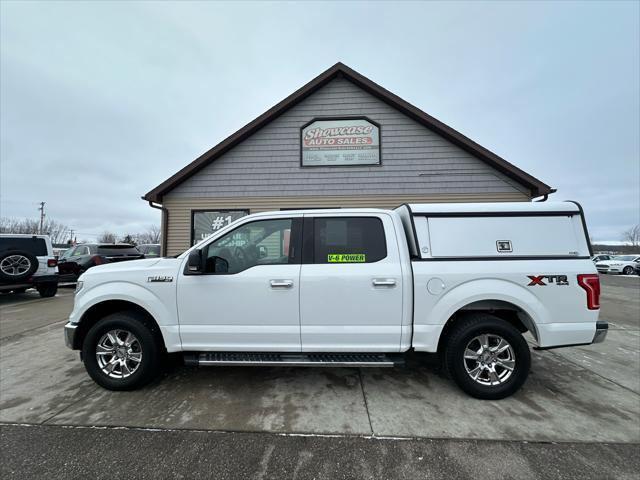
<point x="220" y="265"/>
<point x="194" y="264"/>
<point x="262" y="251"/>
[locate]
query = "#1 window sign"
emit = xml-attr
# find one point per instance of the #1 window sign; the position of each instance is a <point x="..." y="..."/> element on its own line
<point x="206" y="223"/>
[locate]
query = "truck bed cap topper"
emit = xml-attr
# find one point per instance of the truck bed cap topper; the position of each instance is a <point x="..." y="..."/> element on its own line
<point x="500" y="207"/>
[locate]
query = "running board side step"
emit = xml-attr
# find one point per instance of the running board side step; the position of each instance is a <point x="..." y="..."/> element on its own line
<point x="294" y="359"/>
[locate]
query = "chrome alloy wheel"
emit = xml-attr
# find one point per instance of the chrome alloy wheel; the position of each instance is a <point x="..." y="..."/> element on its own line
<point x="119" y="353"/>
<point x="15" y="265"/>
<point x="489" y="359"/>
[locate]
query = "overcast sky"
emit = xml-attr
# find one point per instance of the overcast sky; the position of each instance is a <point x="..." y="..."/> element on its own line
<point x="100" y="102"/>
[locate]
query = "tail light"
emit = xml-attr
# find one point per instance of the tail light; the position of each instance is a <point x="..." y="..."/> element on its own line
<point x="52" y="262"/>
<point x="97" y="260"/>
<point x="591" y="284"/>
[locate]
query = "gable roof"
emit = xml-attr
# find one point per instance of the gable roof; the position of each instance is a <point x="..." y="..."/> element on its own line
<point x="536" y="186"/>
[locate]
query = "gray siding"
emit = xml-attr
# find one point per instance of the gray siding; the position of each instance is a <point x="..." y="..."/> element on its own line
<point x="415" y="161"/>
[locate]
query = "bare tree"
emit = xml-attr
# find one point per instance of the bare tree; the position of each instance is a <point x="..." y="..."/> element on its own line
<point x="58" y="232"/>
<point x="130" y="239"/>
<point x="107" y="237"/>
<point x="632" y="236"/>
<point x="151" y="235"/>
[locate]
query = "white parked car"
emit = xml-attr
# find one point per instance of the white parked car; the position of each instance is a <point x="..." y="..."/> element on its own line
<point x="351" y="287"/>
<point x="624" y="264"/>
<point x="27" y="261"/>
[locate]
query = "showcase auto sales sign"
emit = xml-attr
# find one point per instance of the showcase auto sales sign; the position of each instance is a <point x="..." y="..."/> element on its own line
<point x="340" y="142"/>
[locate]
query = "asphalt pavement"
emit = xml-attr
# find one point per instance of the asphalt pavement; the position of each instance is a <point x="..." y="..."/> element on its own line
<point x="578" y="416"/>
<point x="59" y="452"/>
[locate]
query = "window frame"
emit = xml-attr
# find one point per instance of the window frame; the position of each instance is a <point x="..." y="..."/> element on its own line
<point x="308" y="239"/>
<point x="295" y="241"/>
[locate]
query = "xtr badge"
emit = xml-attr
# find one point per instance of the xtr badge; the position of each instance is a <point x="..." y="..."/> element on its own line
<point x="540" y="280"/>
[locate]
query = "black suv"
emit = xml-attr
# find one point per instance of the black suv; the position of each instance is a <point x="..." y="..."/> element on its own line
<point x="75" y="261"/>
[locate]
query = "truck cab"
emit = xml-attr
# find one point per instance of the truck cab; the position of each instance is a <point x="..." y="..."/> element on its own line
<point x="353" y="287"/>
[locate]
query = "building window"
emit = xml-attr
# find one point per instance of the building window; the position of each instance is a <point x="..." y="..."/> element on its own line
<point x="349" y="240"/>
<point x="207" y="222"/>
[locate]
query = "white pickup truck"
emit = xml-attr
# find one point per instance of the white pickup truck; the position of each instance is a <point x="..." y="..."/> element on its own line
<point x="352" y="287"/>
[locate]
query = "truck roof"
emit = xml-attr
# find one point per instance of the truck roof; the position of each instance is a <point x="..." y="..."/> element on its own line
<point x="499" y="207"/>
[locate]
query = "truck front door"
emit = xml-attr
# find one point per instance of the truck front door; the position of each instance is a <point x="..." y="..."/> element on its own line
<point x="350" y="284"/>
<point x="247" y="298"/>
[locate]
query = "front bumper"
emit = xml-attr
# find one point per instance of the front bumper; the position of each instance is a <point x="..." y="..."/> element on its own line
<point x="69" y="334"/>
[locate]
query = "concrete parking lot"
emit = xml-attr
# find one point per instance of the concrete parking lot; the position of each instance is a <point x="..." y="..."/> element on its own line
<point x="587" y="398"/>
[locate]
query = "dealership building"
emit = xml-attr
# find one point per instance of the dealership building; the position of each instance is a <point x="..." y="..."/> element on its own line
<point x="339" y="141"/>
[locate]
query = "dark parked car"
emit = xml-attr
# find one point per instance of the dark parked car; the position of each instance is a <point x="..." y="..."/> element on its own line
<point x="75" y="261"/>
<point x="150" y="250"/>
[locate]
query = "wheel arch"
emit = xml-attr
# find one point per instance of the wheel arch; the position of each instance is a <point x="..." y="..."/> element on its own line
<point x="511" y="313"/>
<point x="505" y="299"/>
<point x="107" y="307"/>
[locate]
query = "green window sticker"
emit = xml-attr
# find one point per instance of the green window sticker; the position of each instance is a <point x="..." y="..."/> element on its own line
<point x="346" y="258"/>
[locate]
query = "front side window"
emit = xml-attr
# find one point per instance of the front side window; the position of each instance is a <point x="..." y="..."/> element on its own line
<point x="152" y="250"/>
<point x="265" y="242"/>
<point x="349" y="240"/>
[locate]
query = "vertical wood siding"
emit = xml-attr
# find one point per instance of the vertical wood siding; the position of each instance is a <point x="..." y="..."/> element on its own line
<point x="179" y="231"/>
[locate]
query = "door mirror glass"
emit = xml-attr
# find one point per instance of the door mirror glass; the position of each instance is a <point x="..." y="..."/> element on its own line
<point x="217" y="265"/>
<point x="194" y="264"/>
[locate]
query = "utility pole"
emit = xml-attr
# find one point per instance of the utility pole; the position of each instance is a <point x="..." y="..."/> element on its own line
<point x="71" y="240"/>
<point x="42" y="215"/>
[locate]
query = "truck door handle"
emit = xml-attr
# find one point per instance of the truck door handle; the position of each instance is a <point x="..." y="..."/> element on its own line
<point x="384" y="282"/>
<point x="281" y="283"/>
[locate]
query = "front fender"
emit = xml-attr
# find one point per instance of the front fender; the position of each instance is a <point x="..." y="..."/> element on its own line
<point x="427" y="329"/>
<point x="160" y="305"/>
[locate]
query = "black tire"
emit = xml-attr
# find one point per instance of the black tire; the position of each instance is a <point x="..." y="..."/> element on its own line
<point x="151" y="350"/>
<point x="26" y="259"/>
<point x="627" y="271"/>
<point x="47" y="289"/>
<point x="468" y="328"/>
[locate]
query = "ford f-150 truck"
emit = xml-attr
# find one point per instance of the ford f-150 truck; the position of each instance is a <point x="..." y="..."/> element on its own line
<point x="352" y="287"/>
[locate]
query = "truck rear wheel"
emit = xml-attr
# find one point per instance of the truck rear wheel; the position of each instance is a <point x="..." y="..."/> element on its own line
<point x="120" y="352"/>
<point x="486" y="356"/>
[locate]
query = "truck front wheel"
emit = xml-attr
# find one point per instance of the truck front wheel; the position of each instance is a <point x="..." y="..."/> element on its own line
<point x="486" y="356"/>
<point x="120" y="352"/>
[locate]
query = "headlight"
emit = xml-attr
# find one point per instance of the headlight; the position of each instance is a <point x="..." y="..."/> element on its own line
<point x="79" y="286"/>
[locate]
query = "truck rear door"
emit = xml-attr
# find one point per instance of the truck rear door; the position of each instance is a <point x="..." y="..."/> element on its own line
<point x="350" y="284"/>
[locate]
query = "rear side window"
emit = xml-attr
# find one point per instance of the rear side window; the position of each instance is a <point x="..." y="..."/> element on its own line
<point x="35" y="246"/>
<point x="349" y="240"/>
